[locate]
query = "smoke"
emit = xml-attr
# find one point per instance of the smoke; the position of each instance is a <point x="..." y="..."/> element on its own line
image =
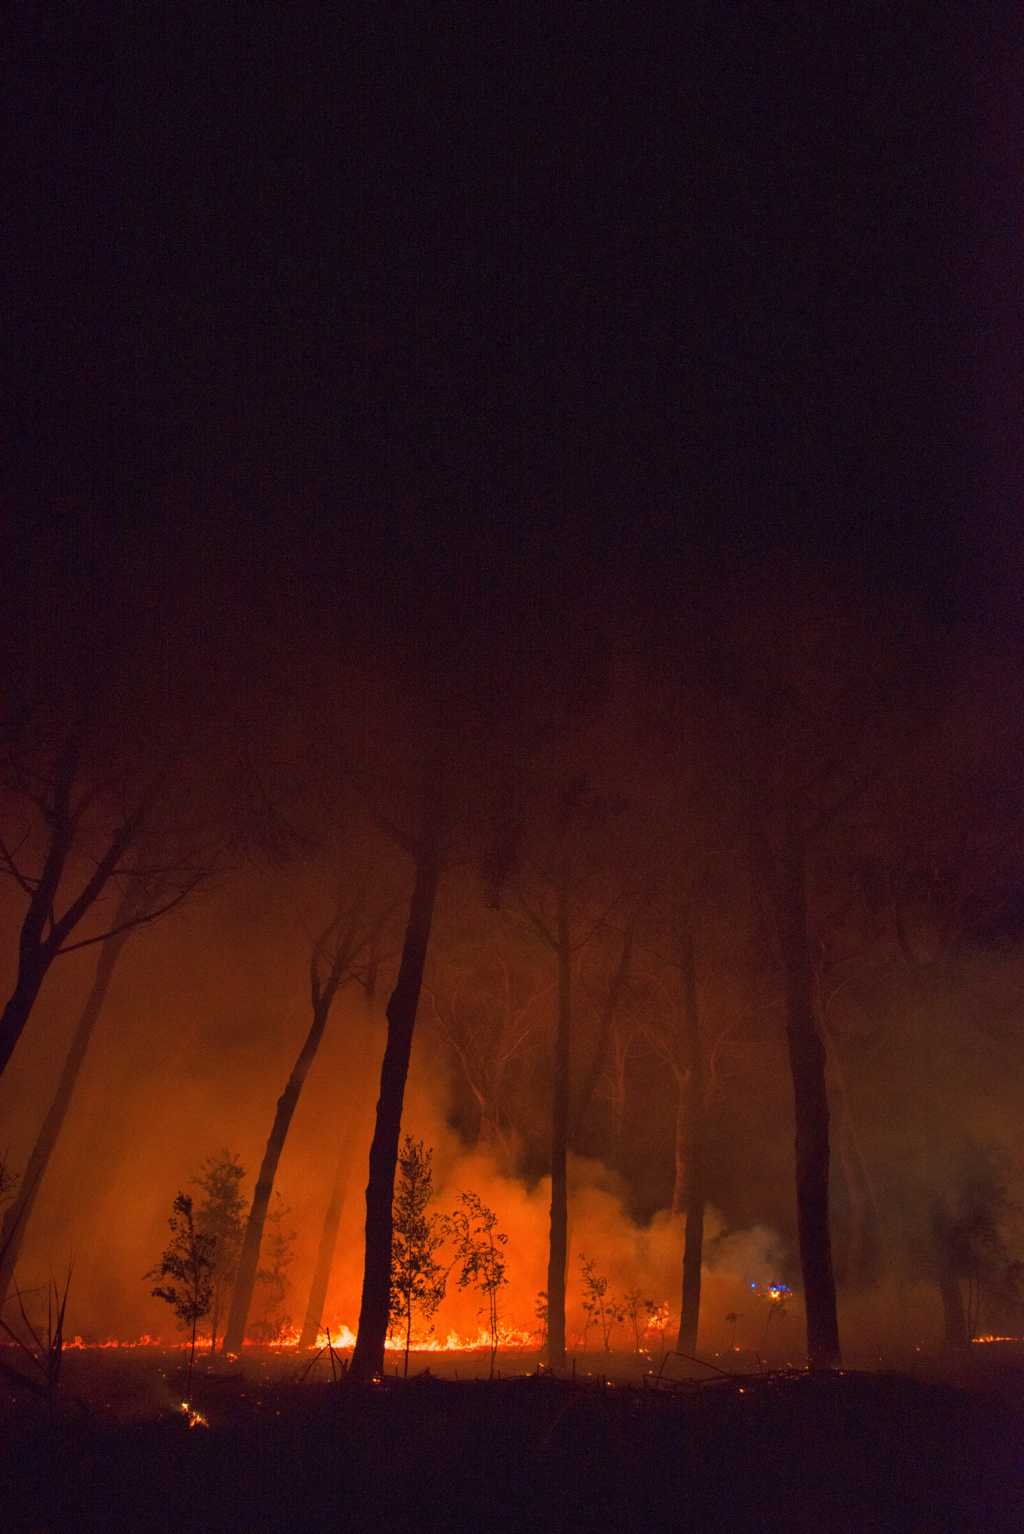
<point x="195" y="1046"/>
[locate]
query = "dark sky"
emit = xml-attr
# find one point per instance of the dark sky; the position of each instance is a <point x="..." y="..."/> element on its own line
<point x="594" y="289"/>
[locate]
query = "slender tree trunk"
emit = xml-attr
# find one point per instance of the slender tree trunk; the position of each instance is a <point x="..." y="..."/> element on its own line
<point x="810" y="1099"/>
<point x="609" y="1013"/>
<point x="248" y="1262"/>
<point x="368" y="1355"/>
<point x="954" y="1316"/>
<point x="191" y="1362"/>
<point x="679" y="1148"/>
<point x="32" y="969"/>
<point x="559" y="1236"/>
<point x="694" y="1190"/>
<point x="862" y="1219"/>
<point x="328" y="1240"/>
<point x="18" y="1214"/>
<point x="332" y="1217"/>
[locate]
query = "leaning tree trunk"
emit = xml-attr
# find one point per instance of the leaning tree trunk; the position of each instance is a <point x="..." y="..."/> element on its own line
<point x="368" y="1355"/>
<point x="328" y="1240"/>
<point x="248" y="1262"/>
<point x="559" y="1230"/>
<point x="694" y="1186"/>
<point x="810" y="1100"/>
<point x="32" y="967"/>
<point x="17" y="1216"/>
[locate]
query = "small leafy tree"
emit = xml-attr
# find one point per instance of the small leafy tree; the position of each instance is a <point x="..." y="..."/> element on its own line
<point x="221" y="1215"/>
<point x="418" y="1280"/>
<point x="480" y="1252"/>
<point x="633" y="1306"/>
<point x="540" y="1310"/>
<point x="188" y="1261"/>
<point x="278" y="1253"/>
<point x="599" y="1306"/>
<point x="658" y="1318"/>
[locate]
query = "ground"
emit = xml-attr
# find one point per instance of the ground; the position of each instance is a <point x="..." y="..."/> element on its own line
<point x="785" y="1451"/>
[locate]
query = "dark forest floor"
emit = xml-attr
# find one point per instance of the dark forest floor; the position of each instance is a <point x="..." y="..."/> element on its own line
<point x="829" y="1453"/>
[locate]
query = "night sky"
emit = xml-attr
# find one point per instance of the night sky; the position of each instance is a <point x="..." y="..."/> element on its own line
<point x="581" y="292"/>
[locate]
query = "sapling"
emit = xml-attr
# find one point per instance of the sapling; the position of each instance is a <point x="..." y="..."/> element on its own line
<point x="44" y="1356"/>
<point x="540" y="1310"/>
<point x="221" y="1215"/>
<point x="480" y="1252"/>
<point x="599" y="1306"/>
<point x="633" y="1306"/>
<point x="418" y="1280"/>
<point x="189" y="1261"/>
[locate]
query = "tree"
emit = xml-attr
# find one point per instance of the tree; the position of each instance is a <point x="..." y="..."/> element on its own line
<point x="441" y="741"/>
<point x="599" y="1306"/>
<point x="480" y="1253"/>
<point x="556" y="908"/>
<point x="807" y="710"/>
<point x="220" y="1217"/>
<point x="78" y="821"/>
<point x="484" y="1000"/>
<point x="633" y="1307"/>
<point x="694" y="1185"/>
<point x="275" y="1323"/>
<point x="333" y="955"/>
<point x="374" y="1306"/>
<point x="189" y="1261"/>
<point x="311" y="1325"/>
<point x="418" y="1281"/>
<point x="16" y="1218"/>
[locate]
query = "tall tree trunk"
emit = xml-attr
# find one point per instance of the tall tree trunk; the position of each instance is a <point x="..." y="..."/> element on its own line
<point x="679" y="1147"/>
<point x="954" y="1315"/>
<point x="609" y="1013"/>
<point x="694" y="1189"/>
<point x="859" y="1248"/>
<point x="248" y="1262"/>
<point x="32" y="969"/>
<point x="18" y="1214"/>
<point x="559" y="1231"/>
<point x="368" y="1355"/>
<point x="810" y="1101"/>
<point x="328" y="1239"/>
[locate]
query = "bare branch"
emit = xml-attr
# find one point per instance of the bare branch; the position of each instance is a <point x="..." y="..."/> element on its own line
<point x="27" y="885"/>
<point x="135" y="921"/>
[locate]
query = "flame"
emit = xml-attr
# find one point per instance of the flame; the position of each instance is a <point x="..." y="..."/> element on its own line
<point x="340" y="1336"/>
<point x="194" y="1415"/>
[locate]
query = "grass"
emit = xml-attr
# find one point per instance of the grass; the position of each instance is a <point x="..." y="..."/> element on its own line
<point x="834" y="1453"/>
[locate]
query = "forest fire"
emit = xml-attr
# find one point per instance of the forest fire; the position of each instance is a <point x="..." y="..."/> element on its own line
<point x="511" y="878"/>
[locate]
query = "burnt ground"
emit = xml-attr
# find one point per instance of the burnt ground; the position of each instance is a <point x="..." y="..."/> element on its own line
<point x="830" y="1453"/>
